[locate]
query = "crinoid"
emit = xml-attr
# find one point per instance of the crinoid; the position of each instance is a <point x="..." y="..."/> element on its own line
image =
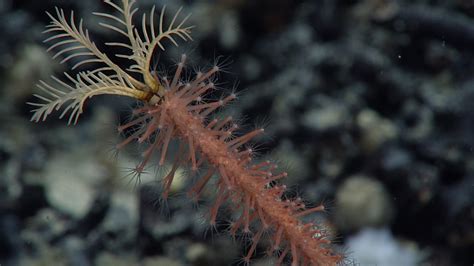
<point x="175" y="108"/>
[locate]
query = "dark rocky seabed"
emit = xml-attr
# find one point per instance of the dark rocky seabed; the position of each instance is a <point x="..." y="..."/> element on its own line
<point x="368" y="104"/>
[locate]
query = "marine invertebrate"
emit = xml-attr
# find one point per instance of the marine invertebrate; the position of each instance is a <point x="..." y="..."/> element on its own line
<point x="176" y="108"/>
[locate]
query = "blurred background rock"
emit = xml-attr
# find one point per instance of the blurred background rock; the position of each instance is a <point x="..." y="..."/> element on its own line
<point x="369" y="105"/>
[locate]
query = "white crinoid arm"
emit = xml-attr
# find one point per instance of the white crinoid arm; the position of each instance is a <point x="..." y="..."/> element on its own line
<point x="123" y="25"/>
<point x="144" y="41"/>
<point x="71" y="40"/>
<point x="152" y="39"/>
<point x="85" y="85"/>
<point x="74" y="41"/>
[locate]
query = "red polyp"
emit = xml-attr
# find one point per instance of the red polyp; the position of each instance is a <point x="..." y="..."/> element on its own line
<point x="254" y="189"/>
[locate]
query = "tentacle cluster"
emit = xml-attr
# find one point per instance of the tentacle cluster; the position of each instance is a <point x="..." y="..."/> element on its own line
<point x="253" y="188"/>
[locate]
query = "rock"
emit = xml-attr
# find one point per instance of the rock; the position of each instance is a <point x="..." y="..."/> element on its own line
<point x="123" y="212"/>
<point x="74" y="249"/>
<point x="291" y="161"/>
<point x="160" y="260"/>
<point x="362" y="202"/>
<point x="198" y="254"/>
<point x="154" y="220"/>
<point x="108" y="258"/>
<point x="419" y="121"/>
<point x="378" y="247"/>
<point x="229" y="31"/>
<point x="329" y="116"/>
<point x="71" y="180"/>
<point x="375" y="130"/>
<point x="27" y="69"/>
